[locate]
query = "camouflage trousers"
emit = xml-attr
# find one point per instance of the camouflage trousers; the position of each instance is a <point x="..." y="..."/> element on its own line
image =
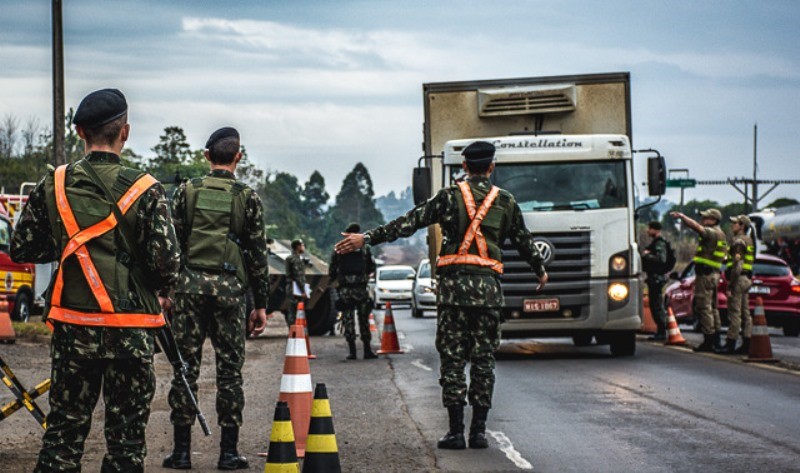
<point x="655" y="290"/>
<point x="127" y="386"/>
<point x="739" y="309"/>
<point x="221" y="319"/>
<point x="467" y="334"/>
<point x="362" y="308"/>
<point x="291" y="310"/>
<point x="705" y="302"/>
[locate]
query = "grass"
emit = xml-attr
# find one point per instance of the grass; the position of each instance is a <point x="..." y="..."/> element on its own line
<point x="31" y="331"/>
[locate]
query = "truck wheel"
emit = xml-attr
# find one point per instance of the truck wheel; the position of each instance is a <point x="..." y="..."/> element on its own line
<point x="22" y="307"/>
<point x="623" y="344"/>
<point x="791" y="329"/>
<point x="582" y="340"/>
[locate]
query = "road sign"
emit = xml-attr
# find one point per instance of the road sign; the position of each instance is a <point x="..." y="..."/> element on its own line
<point x="681" y="183"/>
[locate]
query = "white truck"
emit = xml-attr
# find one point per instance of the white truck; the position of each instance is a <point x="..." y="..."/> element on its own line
<point x="564" y="151"/>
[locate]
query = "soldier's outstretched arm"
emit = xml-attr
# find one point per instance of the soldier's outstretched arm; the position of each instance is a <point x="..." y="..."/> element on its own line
<point x="522" y="240"/>
<point x="32" y="240"/>
<point x="421" y="216"/>
<point x="690" y="222"/>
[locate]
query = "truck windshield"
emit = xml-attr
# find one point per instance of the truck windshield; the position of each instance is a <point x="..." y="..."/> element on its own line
<point x="564" y="185"/>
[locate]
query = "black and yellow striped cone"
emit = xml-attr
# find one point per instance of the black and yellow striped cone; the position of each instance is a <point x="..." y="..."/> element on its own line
<point x="322" y="454"/>
<point x="282" y="455"/>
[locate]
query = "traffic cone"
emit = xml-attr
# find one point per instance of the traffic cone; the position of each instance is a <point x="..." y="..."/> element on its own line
<point x="322" y="454"/>
<point x="282" y="454"/>
<point x="760" y="346"/>
<point x="7" y="333"/>
<point x="296" y="386"/>
<point x="389" y="342"/>
<point x="674" y="336"/>
<point x="648" y="324"/>
<point x="372" y="327"/>
<point x="301" y="320"/>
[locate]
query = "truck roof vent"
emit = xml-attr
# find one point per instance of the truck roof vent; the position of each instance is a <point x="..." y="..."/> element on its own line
<point x="528" y="100"/>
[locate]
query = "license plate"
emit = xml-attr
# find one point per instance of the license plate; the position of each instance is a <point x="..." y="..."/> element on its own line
<point x="759" y="290"/>
<point x="541" y="305"/>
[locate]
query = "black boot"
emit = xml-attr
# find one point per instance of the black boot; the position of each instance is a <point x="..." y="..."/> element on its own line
<point x="707" y="345"/>
<point x="717" y="340"/>
<point x="351" y="344"/>
<point x="454" y="439"/>
<point x="745" y="348"/>
<point x="728" y="349"/>
<point x="368" y="355"/>
<point x="229" y="458"/>
<point x="477" y="429"/>
<point x="180" y="458"/>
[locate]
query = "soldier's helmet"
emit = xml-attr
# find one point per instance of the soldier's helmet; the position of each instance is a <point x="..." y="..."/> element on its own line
<point x="712" y="213"/>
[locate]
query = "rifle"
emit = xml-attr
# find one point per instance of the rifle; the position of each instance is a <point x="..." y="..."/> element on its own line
<point x="167" y="342"/>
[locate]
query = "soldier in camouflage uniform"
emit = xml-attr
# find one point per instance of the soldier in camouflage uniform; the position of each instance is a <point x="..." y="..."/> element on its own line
<point x="739" y="274"/>
<point x="351" y="271"/>
<point x="295" y="277"/>
<point x="469" y="299"/>
<point x="220" y="226"/>
<point x="653" y="256"/>
<point x="712" y="249"/>
<point x="102" y="305"/>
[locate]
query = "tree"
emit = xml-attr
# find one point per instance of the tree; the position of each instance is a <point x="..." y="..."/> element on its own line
<point x="247" y="172"/>
<point x="315" y="198"/>
<point x="172" y="153"/>
<point x="354" y="203"/>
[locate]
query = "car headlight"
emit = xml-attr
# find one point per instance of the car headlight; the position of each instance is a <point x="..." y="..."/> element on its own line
<point x="424" y="289"/>
<point x="384" y="290"/>
<point x="618" y="291"/>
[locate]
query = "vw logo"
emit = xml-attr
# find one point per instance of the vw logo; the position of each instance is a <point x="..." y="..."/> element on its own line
<point x="545" y="248"/>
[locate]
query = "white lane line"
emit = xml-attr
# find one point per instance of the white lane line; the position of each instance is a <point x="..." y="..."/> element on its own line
<point x="508" y="448"/>
<point x="407" y="347"/>
<point x="421" y="365"/>
<point x="401" y="335"/>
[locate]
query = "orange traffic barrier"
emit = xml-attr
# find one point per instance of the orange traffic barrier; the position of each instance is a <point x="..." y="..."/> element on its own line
<point x="760" y="346"/>
<point x="389" y="342"/>
<point x="372" y="327"/>
<point x="301" y="320"/>
<point x="674" y="336"/>
<point x="648" y="324"/>
<point x="296" y="388"/>
<point x="7" y="333"/>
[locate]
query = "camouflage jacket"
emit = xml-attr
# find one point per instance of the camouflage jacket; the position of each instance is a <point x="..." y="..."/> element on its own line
<point x="464" y="285"/>
<point x="253" y="245"/>
<point x="295" y="273"/>
<point x="34" y="241"/>
<point x="352" y="287"/>
<point x="657" y="253"/>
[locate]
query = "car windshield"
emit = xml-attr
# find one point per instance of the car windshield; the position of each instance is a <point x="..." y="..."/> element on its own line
<point x="771" y="269"/>
<point x="395" y="274"/>
<point x="425" y="271"/>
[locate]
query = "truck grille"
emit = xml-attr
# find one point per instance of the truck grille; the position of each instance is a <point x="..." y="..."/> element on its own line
<point x="570" y="271"/>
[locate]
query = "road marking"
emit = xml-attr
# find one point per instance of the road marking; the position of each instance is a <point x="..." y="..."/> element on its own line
<point x="401" y="335"/>
<point x="508" y="448"/>
<point x="421" y="365"/>
<point x="408" y="347"/>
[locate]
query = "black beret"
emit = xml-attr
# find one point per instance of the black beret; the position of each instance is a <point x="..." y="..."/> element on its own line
<point x="226" y="132"/>
<point x="353" y="228"/>
<point x="655" y="225"/>
<point x="479" y="151"/>
<point x="100" y="107"/>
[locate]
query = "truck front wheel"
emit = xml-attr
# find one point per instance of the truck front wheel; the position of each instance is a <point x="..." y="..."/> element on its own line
<point x="623" y="343"/>
<point x="22" y="307"/>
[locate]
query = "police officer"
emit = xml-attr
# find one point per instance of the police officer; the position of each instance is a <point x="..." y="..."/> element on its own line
<point x="712" y="249"/>
<point x="110" y="228"/>
<point x="295" y="280"/>
<point x="351" y="271"/>
<point x="739" y="272"/>
<point x="220" y="226"/>
<point x="475" y="217"/>
<point x="654" y="257"/>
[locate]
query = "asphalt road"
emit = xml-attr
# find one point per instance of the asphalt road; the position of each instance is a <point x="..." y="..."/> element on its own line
<point x="558" y="408"/>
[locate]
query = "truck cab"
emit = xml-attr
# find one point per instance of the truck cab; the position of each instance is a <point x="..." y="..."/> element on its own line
<point x="16" y="280"/>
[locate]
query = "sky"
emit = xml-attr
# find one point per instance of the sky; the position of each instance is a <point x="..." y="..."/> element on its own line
<point x="322" y="85"/>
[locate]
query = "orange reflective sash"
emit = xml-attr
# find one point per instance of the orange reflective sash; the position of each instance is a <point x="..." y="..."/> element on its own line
<point x="474" y="233"/>
<point x="77" y="246"/>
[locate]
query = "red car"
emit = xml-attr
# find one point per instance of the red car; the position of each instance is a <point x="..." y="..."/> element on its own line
<point x="772" y="281"/>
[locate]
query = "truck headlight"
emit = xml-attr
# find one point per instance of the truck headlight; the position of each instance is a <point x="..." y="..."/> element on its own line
<point x="618" y="264"/>
<point x="618" y="291"/>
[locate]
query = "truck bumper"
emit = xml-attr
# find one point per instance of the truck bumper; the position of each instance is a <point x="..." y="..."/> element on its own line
<point x="599" y="315"/>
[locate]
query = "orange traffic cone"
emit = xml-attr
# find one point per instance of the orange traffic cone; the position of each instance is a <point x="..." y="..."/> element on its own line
<point x="389" y="342"/>
<point x="648" y="324"/>
<point x="372" y="327"/>
<point x="7" y="333"/>
<point x="301" y="320"/>
<point x="760" y="346"/>
<point x="296" y="386"/>
<point x="674" y="336"/>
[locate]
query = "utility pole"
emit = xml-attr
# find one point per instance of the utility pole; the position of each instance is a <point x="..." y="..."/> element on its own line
<point x="754" y="200"/>
<point x="59" y="128"/>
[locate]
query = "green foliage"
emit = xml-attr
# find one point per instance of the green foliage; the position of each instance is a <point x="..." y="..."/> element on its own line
<point x="783" y="202"/>
<point x="355" y="202"/>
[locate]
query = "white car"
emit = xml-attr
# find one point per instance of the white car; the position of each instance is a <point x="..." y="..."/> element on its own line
<point x="424" y="290"/>
<point x="393" y="283"/>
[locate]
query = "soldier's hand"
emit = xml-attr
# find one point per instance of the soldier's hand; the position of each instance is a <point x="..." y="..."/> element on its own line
<point x="350" y="243"/>
<point x="542" y="281"/>
<point x="257" y="322"/>
<point x="676" y="215"/>
<point x="166" y="304"/>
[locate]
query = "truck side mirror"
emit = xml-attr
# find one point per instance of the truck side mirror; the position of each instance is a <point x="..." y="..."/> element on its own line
<point x="656" y="175"/>
<point x="421" y="185"/>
